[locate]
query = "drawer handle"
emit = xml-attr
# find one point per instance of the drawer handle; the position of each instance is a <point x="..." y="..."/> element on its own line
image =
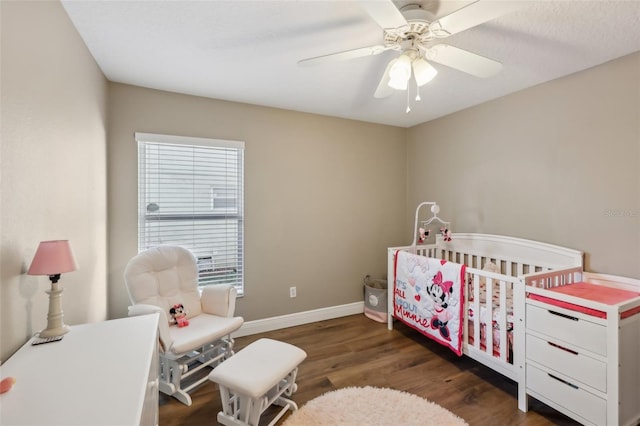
<point x="563" y="381"/>
<point x="562" y="315"/>
<point x="563" y="348"/>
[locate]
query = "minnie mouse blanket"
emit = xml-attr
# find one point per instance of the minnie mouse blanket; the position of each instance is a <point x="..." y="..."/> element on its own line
<point x="428" y="296"/>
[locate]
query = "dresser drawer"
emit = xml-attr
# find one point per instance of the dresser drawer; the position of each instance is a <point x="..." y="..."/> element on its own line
<point x="569" y="396"/>
<point x="578" y="332"/>
<point x="575" y="364"/>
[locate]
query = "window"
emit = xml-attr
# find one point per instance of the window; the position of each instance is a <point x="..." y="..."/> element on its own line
<point x="190" y="193"/>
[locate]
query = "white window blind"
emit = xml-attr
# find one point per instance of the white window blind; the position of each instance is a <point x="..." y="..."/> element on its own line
<point x="190" y="193"/>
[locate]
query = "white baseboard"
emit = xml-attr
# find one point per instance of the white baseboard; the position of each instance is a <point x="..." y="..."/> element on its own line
<point x="298" y="318"/>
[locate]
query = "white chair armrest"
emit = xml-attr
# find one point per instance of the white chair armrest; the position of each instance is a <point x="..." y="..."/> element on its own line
<point x="163" y="324"/>
<point x="219" y="300"/>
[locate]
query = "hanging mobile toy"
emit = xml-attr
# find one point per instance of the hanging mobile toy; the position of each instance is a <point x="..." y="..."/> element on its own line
<point x="446" y="234"/>
<point x="423" y="235"/>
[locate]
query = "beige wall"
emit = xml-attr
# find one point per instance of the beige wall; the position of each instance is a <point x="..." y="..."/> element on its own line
<point x="324" y="197"/>
<point x="558" y="163"/>
<point x="53" y="175"/>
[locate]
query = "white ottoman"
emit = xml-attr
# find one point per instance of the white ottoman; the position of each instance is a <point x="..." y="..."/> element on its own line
<point x="256" y="377"/>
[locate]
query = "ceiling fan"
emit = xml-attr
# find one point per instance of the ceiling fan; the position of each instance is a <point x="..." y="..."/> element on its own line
<point x="411" y="30"/>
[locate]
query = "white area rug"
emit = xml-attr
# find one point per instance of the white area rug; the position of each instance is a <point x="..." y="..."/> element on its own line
<point x="371" y="406"/>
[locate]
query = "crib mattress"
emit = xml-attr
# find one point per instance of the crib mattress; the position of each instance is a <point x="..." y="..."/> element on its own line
<point x="593" y="292"/>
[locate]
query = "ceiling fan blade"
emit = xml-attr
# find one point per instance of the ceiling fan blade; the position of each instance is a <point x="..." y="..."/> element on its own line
<point x="345" y="55"/>
<point x="463" y="60"/>
<point x="475" y="14"/>
<point x="385" y="13"/>
<point x="383" y="89"/>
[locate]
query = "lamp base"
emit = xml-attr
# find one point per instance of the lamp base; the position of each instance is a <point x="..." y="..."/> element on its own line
<point x="55" y="321"/>
<point x="54" y="332"/>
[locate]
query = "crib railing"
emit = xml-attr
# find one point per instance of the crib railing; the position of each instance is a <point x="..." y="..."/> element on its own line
<point x="496" y="322"/>
<point x="554" y="278"/>
<point x="507" y="267"/>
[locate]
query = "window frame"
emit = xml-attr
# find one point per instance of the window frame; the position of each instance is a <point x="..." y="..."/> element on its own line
<point x="145" y="217"/>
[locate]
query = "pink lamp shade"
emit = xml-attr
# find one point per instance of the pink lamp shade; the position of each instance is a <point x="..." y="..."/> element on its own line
<point x="53" y="258"/>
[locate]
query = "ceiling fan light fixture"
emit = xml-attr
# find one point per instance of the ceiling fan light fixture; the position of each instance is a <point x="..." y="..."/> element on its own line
<point x="423" y="71"/>
<point x="398" y="84"/>
<point x="400" y="72"/>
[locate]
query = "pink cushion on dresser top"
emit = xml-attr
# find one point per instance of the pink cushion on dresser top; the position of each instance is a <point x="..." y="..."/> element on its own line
<point x="590" y="291"/>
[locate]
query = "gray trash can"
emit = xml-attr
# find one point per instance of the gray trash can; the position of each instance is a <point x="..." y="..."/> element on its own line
<point x="375" y="299"/>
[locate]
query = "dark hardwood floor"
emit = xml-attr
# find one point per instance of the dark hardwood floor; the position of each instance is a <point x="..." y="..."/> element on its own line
<point x="356" y="351"/>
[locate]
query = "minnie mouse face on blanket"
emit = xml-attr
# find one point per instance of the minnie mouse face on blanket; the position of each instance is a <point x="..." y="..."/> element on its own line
<point x="427" y="297"/>
<point x="440" y="293"/>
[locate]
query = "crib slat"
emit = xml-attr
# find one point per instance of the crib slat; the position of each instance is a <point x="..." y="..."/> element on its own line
<point x="504" y="322"/>
<point x="476" y="311"/>
<point x="488" y="327"/>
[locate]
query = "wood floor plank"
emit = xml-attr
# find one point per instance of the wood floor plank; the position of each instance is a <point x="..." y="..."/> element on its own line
<point x="356" y="351"/>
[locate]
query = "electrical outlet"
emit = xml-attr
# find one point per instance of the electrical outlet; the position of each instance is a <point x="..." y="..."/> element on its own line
<point x="292" y="292"/>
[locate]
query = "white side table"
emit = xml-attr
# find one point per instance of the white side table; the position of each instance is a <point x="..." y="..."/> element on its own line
<point x="102" y="373"/>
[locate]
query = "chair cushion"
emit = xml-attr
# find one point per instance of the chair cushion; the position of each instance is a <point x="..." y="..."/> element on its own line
<point x="219" y="299"/>
<point x="201" y="330"/>
<point x="164" y="276"/>
<point x="258" y="367"/>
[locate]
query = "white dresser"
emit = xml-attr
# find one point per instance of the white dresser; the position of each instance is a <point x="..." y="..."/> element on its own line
<point x="584" y="366"/>
<point x="99" y="374"/>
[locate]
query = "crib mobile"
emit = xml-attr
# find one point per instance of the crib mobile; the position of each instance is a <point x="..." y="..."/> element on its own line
<point x="422" y="233"/>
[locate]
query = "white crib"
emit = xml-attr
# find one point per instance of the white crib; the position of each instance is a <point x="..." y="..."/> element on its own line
<point x="514" y="258"/>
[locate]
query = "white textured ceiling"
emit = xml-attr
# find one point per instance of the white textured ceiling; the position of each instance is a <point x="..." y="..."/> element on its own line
<point x="247" y="51"/>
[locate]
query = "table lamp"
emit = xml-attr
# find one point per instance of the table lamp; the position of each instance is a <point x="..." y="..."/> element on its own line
<point x="53" y="258"/>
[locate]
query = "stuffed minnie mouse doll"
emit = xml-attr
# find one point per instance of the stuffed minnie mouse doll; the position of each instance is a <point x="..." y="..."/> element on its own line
<point x="179" y="315"/>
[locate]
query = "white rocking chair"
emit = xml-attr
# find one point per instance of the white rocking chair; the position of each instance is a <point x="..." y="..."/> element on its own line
<point x="162" y="277"/>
